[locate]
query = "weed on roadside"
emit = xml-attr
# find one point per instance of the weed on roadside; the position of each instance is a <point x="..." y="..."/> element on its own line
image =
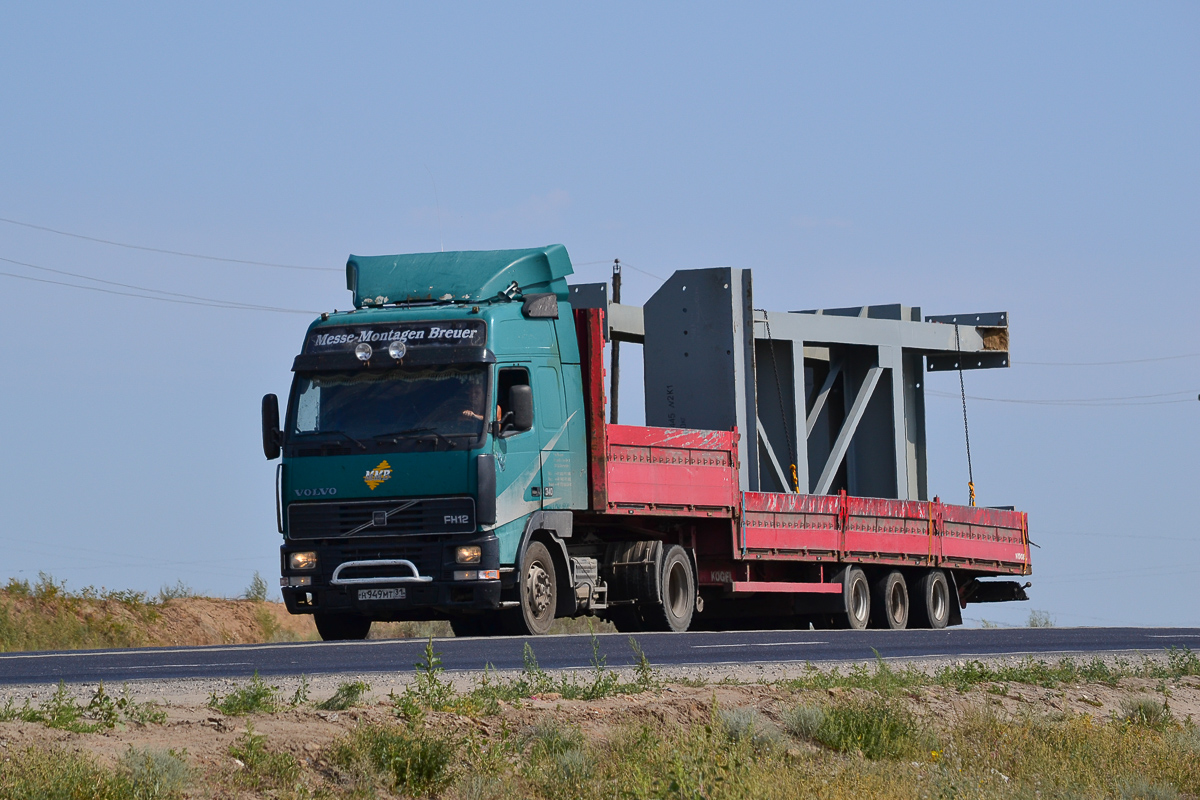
<point x="430" y="691"/>
<point x="300" y="696"/>
<point x="102" y="712"/>
<point x="883" y="678"/>
<point x="256" y="697"/>
<point x="646" y="677"/>
<point x="348" y="694"/>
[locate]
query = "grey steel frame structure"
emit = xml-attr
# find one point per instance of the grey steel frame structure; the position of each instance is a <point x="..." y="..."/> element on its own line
<point x="833" y="397"/>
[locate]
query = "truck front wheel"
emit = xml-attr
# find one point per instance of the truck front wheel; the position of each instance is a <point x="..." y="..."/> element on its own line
<point x="538" y="587"/>
<point x="678" y="591"/>
<point x="342" y="627"/>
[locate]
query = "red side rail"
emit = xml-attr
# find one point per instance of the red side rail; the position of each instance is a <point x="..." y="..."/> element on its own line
<point x="643" y="470"/>
<point x="867" y="529"/>
<point x="671" y="471"/>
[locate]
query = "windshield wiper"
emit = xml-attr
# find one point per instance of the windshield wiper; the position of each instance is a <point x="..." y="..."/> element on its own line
<point x="343" y="434"/>
<point x="413" y="432"/>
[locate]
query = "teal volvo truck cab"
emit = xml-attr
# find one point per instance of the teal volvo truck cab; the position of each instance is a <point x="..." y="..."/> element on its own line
<point x="425" y="430"/>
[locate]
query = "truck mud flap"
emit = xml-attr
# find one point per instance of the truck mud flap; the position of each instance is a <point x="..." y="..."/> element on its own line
<point x="977" y="591"/>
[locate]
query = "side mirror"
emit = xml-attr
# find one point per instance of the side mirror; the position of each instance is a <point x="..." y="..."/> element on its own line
<point x="272" y="438"/>
<point x="520" y="399"/>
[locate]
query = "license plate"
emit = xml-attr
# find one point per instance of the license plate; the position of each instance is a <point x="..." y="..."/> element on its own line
<point x="381" y="594"/>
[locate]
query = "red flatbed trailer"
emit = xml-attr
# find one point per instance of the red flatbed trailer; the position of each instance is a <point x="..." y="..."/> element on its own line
<point x="752" y="543"/>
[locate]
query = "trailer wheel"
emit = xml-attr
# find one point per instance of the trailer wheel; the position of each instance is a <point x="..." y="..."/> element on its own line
<point x="932" y="609"/>
<point x="342" y="627"/>
<point x="856" y="593"/>
<point x="678" y="593"/>
<point x="889" y="602"/>
<point x="538" y="586"/>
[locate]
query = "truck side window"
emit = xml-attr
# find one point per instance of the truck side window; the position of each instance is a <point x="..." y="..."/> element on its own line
<point x="508" y="378"/>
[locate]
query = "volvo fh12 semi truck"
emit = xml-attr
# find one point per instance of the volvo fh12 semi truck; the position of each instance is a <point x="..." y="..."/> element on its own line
<point x="446" y="455"/>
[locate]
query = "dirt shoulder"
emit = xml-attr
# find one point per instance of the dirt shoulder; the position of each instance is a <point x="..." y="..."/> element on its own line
<point x="989" y="719"/>
<point x="682" y="696"/>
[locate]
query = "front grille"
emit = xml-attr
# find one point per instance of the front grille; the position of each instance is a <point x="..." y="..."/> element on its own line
<point x="397" y="517"/>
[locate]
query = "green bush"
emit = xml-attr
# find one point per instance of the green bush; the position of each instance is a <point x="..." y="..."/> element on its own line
<point x="804" y="720"/>
<point x="54" y="773"/>
<point x="1142" y="789"/>
<point x="407" y="760"/>
<point x="155" y="774"/>
<point x="1147" y="712"/>
<point x="1040" y="619"/>
<point x="549" y="738"/>
<point x="263" y="768"/>
<point x="177" y="592"/>
<point x="876" y="727"/>
<point x="747" y="724"/>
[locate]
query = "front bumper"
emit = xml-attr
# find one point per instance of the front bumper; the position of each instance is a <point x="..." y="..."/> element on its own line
<point x="389" y="579"/>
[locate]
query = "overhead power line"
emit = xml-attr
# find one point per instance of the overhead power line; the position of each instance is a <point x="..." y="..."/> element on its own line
<point x="190" y="300"/>
<point x="1089" y="402"/>
<point x="1103" y="363"/>
<point x="643" y="271"/>
<point x="623" y="264"/>
<point x="167" y="252"/>
<point x="223" y="303"/>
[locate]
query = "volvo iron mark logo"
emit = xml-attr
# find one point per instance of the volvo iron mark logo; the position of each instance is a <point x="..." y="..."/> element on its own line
<point x="327" y="491"/>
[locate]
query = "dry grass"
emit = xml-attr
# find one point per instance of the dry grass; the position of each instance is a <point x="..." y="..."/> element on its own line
<point x="759" y="741"/>
<point x="47" y="616"/>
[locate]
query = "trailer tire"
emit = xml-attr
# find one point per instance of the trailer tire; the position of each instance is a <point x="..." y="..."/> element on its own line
<point x="677" y="593"/>
<point x="856" y="594"/>
<point x="342" y="627"/>
<point x="932" y="607"/>
<point x="889" y="602"/>
<point x="537" y="586"/>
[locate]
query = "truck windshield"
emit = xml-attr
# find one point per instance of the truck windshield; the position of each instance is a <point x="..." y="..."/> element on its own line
<point x="403" y="409"/>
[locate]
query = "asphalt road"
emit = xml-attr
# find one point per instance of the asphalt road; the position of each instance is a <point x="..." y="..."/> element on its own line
<point x="575" y="651"/>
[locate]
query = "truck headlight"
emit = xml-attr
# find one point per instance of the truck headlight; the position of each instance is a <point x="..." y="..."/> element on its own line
<point x="303" y="560"/>
<point x="467" y="555"/>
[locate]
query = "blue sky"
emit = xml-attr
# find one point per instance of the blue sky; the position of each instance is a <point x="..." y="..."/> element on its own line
<point x="1029" y="157"/>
